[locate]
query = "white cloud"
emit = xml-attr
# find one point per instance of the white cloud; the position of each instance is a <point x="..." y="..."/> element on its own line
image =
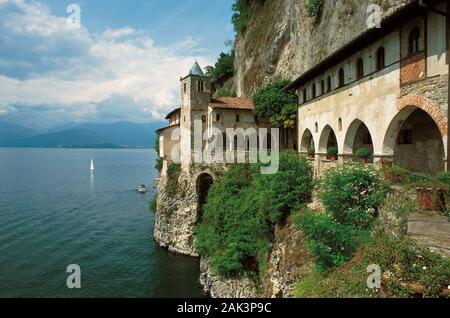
<point x="100" y="77"/>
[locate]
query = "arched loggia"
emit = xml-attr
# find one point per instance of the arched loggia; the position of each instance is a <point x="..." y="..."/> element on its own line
<point x="415" y="141"/>
<point x="358" y="136"/>
<point x="307" y="141"/>
<point x="327" y="139"/>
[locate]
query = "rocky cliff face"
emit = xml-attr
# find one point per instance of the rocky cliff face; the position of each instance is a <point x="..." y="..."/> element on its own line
<point x="176" y="213"/>
<point x="288" y="261"/>
<point x="281" y="42"/>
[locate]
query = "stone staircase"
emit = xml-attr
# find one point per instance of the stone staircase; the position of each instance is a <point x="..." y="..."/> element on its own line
<point x="430" y="229"/>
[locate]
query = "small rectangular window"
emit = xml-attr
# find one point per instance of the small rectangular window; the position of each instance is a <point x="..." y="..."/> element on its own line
<point x="185" y="88"/>
<point x="217" y="117"/>
<point x="405" y="137"/>
<point x="238" y="118"/>
<point x="304" y="95"/>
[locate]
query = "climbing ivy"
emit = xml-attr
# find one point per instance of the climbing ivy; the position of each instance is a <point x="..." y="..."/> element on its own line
<point x="313" y="7"/>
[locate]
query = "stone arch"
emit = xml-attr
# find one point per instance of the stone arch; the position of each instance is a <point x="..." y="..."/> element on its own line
<point x="358" y="135"/>
<point x="203" y="184"/>
<point x="415" y="139"/>
<point x="429" y="107"/>
<point x="327" y="139"/>
<point x="307" y="141"/>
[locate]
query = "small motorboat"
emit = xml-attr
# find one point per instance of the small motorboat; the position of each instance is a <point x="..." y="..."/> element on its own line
<point x="142" y="188"/>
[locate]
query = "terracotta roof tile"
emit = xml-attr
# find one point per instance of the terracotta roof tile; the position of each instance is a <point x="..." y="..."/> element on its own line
<point x="173" y="112"/>
<point x="167" y="127"/>
<point x="232" y="103"/>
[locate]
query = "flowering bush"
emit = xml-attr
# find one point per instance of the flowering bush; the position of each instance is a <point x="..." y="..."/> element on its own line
<point x="404" y="263"/>
<point x="352" y="194"/>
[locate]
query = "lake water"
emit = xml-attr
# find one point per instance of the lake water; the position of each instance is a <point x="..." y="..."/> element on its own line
<point x="53" y="214"/>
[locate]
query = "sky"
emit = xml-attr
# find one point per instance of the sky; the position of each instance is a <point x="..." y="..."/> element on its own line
<point x="123" y="63"/>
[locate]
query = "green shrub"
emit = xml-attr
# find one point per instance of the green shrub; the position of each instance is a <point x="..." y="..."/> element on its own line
<point x="153" y="203"/>
<point x="223" y="68"/>
<point x="241" y="14"/>
<point x="332" y="243"/>
<point x="403" y="261"/>
<point x="287" y="190"/>
<point x="311" y="151"/>
<point x="332" y="151"/>
<point x="400" y="260"/>
<point x="242" y="209"/>
<point x="444" y="177"/>
<point x="273" y="103"/>
<point x="397" y="175"/>
<point x="352" y="194"/>
<point x="313" y="7"/>
<point x="363" y="153"/>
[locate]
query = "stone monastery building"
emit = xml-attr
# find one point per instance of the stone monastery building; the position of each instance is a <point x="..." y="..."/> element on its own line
<point x="198" y="104"/>
<point x="386" y="91"/>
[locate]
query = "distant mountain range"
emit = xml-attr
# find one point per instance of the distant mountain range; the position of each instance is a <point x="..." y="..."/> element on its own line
<point x="117" y="135"/>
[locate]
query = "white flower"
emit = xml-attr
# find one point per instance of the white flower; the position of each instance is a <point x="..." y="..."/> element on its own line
<point x="424" y="268"/>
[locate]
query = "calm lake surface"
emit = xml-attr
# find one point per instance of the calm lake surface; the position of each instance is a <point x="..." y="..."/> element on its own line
<point x="53" y="214"/>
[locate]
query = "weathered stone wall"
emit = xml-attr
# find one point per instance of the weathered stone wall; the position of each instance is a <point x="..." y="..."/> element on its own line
<point x="177" y="208"/>
<point x="434" y="89"/>
<point x="176" y="214"/>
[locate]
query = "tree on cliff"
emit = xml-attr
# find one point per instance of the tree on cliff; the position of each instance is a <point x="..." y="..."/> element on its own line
<point x="240" y="15"/>
<point x="223" y="69"/>
<point x="279" y="107"/>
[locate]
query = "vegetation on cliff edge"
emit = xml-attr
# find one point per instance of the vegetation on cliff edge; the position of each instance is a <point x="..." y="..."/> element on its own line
<point x="242" y="209"/>
<point x="278" y="106"/>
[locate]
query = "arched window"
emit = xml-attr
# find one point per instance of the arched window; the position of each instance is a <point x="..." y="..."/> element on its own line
<point x="314" y="91"/>
<point x="359" y="69"/>
<point x="414" y="40"/>
<point x="341" y="77"/>
<point x="381" y="61"/>
<point x="329" y="84"/>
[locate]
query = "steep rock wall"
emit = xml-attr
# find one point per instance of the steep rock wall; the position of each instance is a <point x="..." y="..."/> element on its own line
<point x="177" y="206"/>
<point x="176" y="213"/>
<point x="287" y="262"/>
<point x="281" y="42"/>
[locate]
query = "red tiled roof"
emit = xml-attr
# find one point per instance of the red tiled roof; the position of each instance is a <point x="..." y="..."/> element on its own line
<point x="232" y="103"/>
<point x="167" y="127"/>
<point x="172" y="112"/>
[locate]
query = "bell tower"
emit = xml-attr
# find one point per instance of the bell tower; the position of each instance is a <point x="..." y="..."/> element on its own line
<point x="195" y="96"/>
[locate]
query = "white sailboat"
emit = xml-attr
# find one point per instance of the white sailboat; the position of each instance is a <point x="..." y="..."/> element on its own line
<point x="92" y="166"/>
